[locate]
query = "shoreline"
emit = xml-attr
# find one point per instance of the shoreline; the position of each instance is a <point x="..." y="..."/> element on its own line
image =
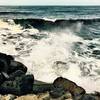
<point x="24" y="86"/>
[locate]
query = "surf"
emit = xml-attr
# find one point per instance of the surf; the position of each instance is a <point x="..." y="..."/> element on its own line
<point x="50" y="52"/>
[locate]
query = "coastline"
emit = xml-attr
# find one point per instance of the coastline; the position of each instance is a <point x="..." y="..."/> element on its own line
<point x="21" y="86"/>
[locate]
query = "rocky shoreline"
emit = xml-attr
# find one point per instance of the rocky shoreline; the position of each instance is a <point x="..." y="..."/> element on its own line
<point x="15" y="84"/>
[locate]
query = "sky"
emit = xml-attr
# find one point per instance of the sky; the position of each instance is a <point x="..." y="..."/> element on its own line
<point x="49" y="2"/>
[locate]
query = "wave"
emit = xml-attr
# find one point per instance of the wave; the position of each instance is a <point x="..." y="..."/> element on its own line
<point x="45" y="23"/>
<point x="61" y="53"/>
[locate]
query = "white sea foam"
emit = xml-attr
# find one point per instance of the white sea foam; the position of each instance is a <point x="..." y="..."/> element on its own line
<point x="51" y="56"/>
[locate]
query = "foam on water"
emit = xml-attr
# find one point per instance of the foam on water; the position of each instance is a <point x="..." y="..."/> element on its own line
<point x="51" y="55"/>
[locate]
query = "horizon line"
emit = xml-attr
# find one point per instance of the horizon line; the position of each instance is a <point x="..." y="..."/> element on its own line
<point x="52" y="5"/>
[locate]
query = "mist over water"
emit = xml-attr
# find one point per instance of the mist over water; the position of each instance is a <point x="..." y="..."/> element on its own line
<point x="51" y="48"/>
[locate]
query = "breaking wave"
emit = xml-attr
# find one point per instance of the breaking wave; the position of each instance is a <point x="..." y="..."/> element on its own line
<point x="40" y="23"/>
<point x="67" y="48"/>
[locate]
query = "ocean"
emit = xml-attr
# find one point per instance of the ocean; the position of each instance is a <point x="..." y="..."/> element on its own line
<point x="54" y="41"/>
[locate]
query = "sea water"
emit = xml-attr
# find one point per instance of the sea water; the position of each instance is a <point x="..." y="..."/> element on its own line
<point x="54" y="41"/>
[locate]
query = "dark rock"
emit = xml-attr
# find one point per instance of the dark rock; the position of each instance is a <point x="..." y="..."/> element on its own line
<point x="9" y="66"/>
<point x="97" y="93"/>
<point x="9" y="90"/>
<point x="12" y="77"/>
<point x="20" y="86"/>
<point x="18" y="73"/>
<point x="42" y="88"/>
<point x="2" y="65"/>
<point x="78" y="93"/>
<point x="89" y="97"/>
<point x="65" y="83"/>
<point x="11" y="87"/>
<point x="70" y="86"/>
<point x="15" y="65"/>
<point x="2" y="78"/>
<point x="96" y="52"/>
<point x="5" y="61"/>
<point x="26" y="84"/>
<point x="6" y="58"/>
<point x="57" y="92"/>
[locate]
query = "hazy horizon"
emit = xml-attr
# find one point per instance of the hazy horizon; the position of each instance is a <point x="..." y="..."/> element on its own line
<point x="49" y="5"/>
<point x="50" y="2"/>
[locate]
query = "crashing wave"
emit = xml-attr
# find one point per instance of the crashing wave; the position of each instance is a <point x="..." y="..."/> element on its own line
<point x="57" y="52"/>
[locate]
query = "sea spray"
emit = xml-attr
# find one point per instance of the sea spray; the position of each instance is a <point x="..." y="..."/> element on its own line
<point x="58" y="52"/>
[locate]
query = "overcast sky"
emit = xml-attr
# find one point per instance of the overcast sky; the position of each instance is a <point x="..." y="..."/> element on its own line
<point x="49" y="2"/>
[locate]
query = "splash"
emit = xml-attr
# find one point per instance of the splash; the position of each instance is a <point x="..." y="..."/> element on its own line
<point x="49" y="54"/>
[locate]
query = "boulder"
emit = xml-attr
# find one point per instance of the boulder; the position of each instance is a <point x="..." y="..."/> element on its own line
<point x="57" y="92"/>
<point x="5" y="61"/>
<point x="19" y="86"/>
<point x="26" y="84"/>
<point x="15" y="65"/>
<point x="2" y="78"/>
<point x="8" y="65"/>
<point x="13" y="76"/>
<point x="6" y="58"/>
<point x="90" y="97"/>
<point x="76" y="91"/>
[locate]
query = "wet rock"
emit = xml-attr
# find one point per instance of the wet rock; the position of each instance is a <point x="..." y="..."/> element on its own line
<point x="78" y="93"/>
<point x="15" y="65"/>
<point x="18" y="73"/>
<point x="42" y="88"/>
<point x="65" y="96"/>
<point x="90" y="97"/>
<point x="70" y="86"/>
<point x="20" y="86"/>
<point x="57" y="92"/>
<point x="5" y="62"/>
<point x="6" y="58"/>
<point x="9" y="90"/>
<point x="26" y="84"/>
<point x="8" y="65"/>
<point x="2" y="78"/>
